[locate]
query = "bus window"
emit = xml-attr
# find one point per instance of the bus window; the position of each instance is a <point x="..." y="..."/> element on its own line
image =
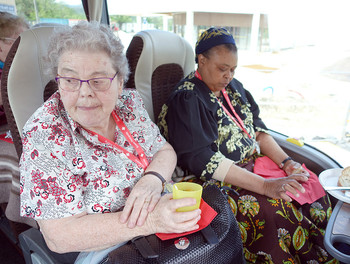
<point x="293" y="58"/>
<point x="47" y="12"/>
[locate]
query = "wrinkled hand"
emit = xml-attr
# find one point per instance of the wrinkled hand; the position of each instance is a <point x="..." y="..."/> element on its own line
<point x="141" y="201"/>
<point x="165" y="219"/>
<point x="294" y="167"/>
<point x="277" y="188"/>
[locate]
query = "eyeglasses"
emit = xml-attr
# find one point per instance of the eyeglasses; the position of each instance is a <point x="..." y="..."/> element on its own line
<point x="96" y="84"/>
<point x="9" y="39"/>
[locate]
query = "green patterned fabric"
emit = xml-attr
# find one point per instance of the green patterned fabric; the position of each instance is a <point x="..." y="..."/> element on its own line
<point x="272" y="230"/>
<point x="201" y="133"/>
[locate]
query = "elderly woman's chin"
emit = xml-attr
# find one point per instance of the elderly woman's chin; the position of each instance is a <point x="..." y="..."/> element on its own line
<point x="91" y="111"/>
<point x="91" y="117"/>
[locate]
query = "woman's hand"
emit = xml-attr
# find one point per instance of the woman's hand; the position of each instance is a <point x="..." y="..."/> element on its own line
<point x="277" y="188"/>
<point x="165" y="218"/>
<point x="293" y="167"/>
<point x="146" y="193"/>
<point x="141" y="201"/>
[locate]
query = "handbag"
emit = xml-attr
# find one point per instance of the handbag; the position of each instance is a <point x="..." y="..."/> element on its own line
<point x="219" y="242"/>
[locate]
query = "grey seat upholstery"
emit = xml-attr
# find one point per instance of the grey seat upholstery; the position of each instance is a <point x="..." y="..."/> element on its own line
<point x="25" y="81"/>
<point x="158" y="60"/>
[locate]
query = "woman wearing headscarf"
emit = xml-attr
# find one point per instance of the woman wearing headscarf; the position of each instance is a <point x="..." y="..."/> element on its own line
<point x="214" y="126"/>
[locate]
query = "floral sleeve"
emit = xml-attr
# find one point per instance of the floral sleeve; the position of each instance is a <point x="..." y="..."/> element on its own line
<point x="49" y="187"/>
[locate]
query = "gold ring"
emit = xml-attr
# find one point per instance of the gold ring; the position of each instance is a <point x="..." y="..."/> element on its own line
<point x="146" y="202"/>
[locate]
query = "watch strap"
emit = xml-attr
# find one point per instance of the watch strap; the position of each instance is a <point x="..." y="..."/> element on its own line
<point x="284" y="162"/>
<point x="160" y="177"/>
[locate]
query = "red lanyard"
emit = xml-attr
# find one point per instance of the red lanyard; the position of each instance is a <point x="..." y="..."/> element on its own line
<point x="198" y="75"/>
<point x="238" y="121"/>
<point x="141" y="159"/>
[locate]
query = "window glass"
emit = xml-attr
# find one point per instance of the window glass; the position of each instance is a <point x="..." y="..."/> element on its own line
<point x="50" y="11"/>
<point x="294" y="58"/>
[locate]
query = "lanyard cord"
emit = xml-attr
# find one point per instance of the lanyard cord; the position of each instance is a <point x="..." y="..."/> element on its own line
<point x="141" y="159"/>
<point x="238" y="121"/>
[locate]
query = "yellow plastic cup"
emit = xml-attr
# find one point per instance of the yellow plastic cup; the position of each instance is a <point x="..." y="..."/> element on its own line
<point x="188" y="189"/>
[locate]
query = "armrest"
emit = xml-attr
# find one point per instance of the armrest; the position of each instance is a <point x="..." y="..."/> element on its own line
<point x="34" y="248"/>
<point x="338" y="231"/>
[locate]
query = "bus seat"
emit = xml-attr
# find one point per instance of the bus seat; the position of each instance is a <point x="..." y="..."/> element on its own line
<point x="25" y="85"/>
<point x="24" y="88"/>
<point x="158" y="60"/>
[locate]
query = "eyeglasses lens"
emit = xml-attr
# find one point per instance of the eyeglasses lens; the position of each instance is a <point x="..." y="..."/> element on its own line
<point x="97" y="84"/>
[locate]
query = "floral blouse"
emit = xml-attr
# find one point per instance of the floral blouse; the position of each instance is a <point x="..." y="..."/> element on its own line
<point x="201" y="132"/>
<point x="66" y="170"/>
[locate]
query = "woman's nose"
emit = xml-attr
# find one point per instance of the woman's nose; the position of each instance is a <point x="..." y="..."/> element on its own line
<point x="85" y="89"/>
<point x="229" y="75"/>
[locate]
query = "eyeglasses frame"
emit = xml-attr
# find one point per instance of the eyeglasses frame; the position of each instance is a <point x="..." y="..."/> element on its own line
<point x="87" y="81"/>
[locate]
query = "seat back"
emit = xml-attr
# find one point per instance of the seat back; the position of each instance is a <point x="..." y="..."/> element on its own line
<point x="24" y="85"/>
<point x="158" y="60"/>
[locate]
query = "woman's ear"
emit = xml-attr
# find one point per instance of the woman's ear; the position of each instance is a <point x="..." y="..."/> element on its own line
<point x="121" y="85"/>
<point x="201" y="59"/>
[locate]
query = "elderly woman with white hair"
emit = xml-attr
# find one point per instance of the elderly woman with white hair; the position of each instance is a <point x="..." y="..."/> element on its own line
<point x="93" y="163"/>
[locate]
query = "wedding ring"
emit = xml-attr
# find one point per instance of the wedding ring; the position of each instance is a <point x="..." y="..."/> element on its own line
<point x="146" y="202"/>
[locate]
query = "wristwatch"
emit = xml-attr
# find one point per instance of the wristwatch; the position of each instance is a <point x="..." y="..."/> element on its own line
<point x="284" y="162"/>
<point x="160" y="177"/>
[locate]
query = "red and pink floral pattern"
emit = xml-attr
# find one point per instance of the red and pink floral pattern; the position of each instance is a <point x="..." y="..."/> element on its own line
<point x="66" y="170"/>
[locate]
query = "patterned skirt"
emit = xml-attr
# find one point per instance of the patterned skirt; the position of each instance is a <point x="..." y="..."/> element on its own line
<point x="276" y="231"/>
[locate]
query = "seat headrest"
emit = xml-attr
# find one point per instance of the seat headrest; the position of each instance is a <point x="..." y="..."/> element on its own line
<point x="158" y="48"/>
<point x="26" y="77"/>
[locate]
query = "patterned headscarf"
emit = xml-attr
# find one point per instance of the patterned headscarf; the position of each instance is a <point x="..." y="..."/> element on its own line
<point x="213" y="37"/>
